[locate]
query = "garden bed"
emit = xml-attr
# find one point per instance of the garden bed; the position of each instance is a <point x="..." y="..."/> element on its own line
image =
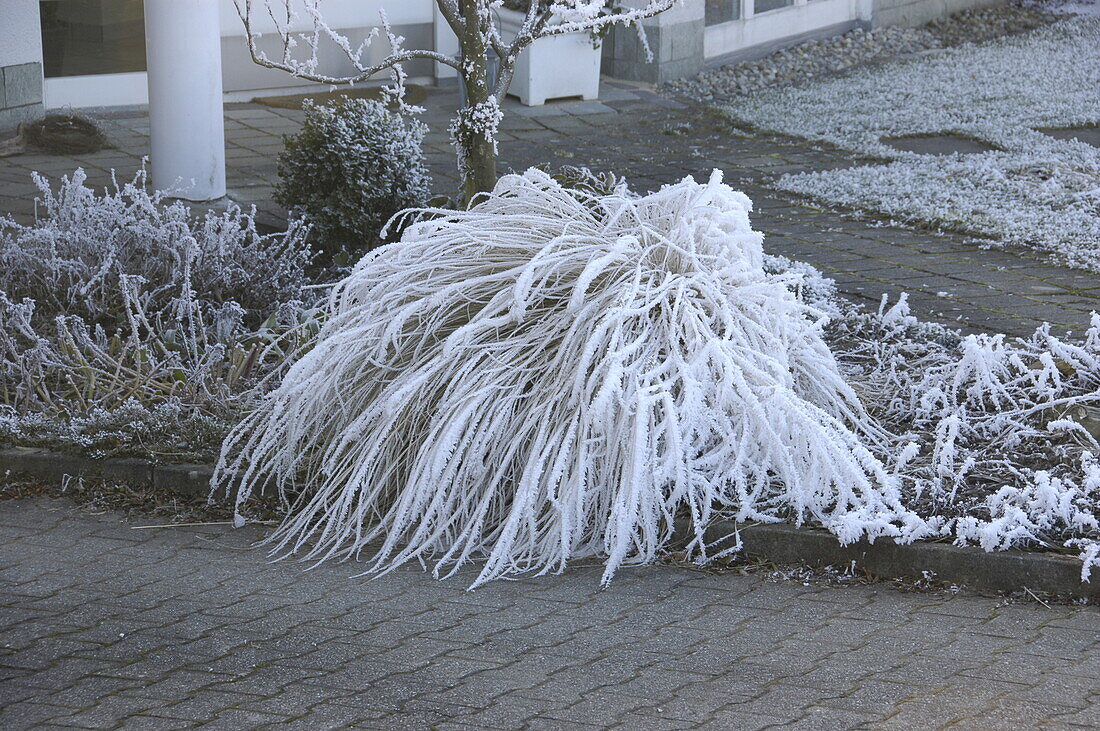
<point x="869" y="424"/>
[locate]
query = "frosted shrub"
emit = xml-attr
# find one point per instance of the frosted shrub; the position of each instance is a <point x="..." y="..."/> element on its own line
<point x="118" y="309"/>
<point x="87" y="253"/>
<point x="353" y="165"/>
<point x="169" y="429"/>
<point x="555" y="374"/>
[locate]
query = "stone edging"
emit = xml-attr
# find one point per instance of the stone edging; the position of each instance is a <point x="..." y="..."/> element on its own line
<point x="1008" y="571"/>
<point x="189" y="480"/>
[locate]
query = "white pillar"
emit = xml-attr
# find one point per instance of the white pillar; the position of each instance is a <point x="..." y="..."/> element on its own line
<point x="446" y="42"/>
<point x="183" y="50"/>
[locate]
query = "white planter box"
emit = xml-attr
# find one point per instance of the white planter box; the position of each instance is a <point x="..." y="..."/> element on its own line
<point x="553" y="67"/>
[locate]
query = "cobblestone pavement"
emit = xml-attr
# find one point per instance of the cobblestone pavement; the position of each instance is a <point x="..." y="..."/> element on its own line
<point x="652" y="140"/>
<point x="104" y="624"/>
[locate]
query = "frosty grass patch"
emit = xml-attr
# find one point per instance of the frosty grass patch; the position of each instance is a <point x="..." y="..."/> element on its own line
<point x="1033" y="190"/>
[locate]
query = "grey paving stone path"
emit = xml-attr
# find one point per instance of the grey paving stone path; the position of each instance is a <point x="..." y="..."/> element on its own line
<point x="104" y="624"/>
<point x="653" y="140"/>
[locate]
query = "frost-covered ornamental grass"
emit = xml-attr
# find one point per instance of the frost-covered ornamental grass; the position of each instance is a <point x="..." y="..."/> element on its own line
<point x="129" y="324"/>
<point x="1034" y="190"/>
<point x="559" y="373"/>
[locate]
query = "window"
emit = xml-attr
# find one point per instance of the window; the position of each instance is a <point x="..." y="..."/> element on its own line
<point x="83" y="37"/>
<point x="763" y="6"/>
<point x="722" y="11"/>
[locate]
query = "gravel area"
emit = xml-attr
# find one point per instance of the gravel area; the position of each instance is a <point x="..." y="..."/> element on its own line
<point x="1031" y="189"/>
<point x="804" y="61"/>
<point x="829" y="56"/>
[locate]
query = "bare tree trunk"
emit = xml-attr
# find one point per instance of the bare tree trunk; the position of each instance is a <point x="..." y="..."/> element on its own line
<point x="477" y="148"/>
<point x="481" y="173"/>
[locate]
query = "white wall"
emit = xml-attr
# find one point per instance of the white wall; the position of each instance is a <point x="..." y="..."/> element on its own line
<point x="20" y="32"/>
<point x="337" y="13"/>
<point x="353" y="18"/>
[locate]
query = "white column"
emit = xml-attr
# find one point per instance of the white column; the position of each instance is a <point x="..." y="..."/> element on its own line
<point x="183" y="51"/>
<point x="445" y="42"/>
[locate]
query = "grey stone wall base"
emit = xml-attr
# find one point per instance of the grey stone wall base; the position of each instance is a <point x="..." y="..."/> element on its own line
<point x="998" y="571"/>
<point x="1007" y="571"/>
<point x="677" y="52"/>
<point x="186" y="480"/>
<point x="20" y="95"/>
<point x="912" y="13"/>
<point x="10" y="119"/>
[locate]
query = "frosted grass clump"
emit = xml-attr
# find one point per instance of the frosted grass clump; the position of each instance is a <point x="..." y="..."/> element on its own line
<point x="554" y="374"/>
<point x="561" y="371"/>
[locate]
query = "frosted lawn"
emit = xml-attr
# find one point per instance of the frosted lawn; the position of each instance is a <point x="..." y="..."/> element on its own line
<point x="1032" y="190"/>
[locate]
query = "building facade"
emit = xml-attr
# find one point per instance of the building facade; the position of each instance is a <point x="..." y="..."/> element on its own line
<point x="92" y="53"/>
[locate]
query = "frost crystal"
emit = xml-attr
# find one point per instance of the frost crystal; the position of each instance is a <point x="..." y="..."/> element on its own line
<point x="480" y="120"/>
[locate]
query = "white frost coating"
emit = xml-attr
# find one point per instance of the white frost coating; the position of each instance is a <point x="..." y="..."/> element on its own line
<point x="552" y="375"/>
<point x="1033" y="190"/>
<point x="1041" y="202"/>
<point x="121" y="314"/>
<point x="480" y="120"/>
<point x="1006" y="428"/>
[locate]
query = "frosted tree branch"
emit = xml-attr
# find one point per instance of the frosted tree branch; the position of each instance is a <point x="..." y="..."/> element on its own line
<point x="308" y="69"/>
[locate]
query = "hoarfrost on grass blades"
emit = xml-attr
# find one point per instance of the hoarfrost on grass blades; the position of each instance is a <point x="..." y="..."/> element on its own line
<point x="552" y="375"/>
<point x="559" y="373"/>
<point x="1033" y="190"/>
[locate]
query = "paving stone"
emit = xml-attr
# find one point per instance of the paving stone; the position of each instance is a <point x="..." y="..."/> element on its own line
<point x="108" y="712"/>
<point x="1088" y="135"/>
<point x="26" y="714"/>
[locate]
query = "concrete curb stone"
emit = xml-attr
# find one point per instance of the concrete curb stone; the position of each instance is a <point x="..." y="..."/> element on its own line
<point x="1008" y="571"/>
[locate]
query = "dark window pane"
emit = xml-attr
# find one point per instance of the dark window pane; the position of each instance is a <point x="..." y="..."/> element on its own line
<point x="81" y="37"/>
<point x="722" y="11"/>
<point x="763" y="6"/>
